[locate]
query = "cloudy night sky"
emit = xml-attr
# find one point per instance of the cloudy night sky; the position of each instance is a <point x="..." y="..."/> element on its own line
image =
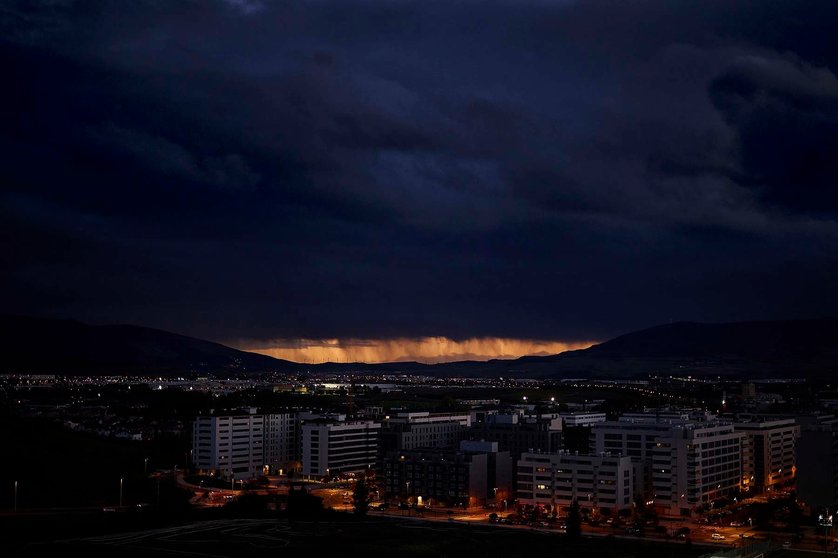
<point x="493" y="178"/>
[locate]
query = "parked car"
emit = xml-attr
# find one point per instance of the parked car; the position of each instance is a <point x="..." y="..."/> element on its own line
<point x="717" y="536"/>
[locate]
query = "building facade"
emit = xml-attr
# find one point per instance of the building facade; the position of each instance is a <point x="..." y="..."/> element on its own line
<point x="282" y="442"/>
<point x="518" y="433"/>
<point x="554" y="480"/>
<point x="231" y="446"/>
<point x="331" y="448"/>
<point x="681" y="464"/>
<point x="817" y="459"/>
<point x="581" y="418"/>
<point x="406" y="431"/>
<point x="695" y="464"/>
<point x="473" y="475"/>
<point x="768" y="453"/>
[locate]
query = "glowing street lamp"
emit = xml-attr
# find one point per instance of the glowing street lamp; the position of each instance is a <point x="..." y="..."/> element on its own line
<point x="826" y="522"/>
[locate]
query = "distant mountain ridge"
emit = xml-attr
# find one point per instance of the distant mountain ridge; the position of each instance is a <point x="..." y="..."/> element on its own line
<point x="767" y="340"/>
<point x="67" y="346"/>
<point x="792" y="347"/>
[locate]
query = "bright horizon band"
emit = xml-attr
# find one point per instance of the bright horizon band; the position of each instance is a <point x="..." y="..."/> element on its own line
<point x="423" y="349"/>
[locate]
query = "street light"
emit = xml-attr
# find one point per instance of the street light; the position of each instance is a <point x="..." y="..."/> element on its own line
<point x="145" y="466"/>
<point x="826" y="522"/>
<point x="120" y="491"/>
<point x="15" y="496"/>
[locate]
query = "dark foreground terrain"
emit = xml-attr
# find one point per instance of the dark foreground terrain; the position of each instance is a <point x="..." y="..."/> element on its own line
<point x="337" y="536"/>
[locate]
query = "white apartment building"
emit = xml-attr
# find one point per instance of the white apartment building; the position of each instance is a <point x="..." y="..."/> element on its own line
<point x="681" y="463"/>
<point x="331" y="448"/>
<point x="426" y="435"/>
<point x="243" y="445"/>
<point x="635" y="437"/>
<point x="768" y="452"/>
<point x="695" y="464"/>
<point x="425" y="417"/>
<point x="231" y="446"/>
<point x="581" y="418"/>
<point x="281" y="441"/>
<point x="407" y="431"/>
<point x="594" y="481"/>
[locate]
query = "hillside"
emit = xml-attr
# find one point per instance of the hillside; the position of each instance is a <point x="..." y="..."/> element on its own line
<point x="36" y="345"/>
<point x="769" y="348"/>
<point x="766" y="348"/>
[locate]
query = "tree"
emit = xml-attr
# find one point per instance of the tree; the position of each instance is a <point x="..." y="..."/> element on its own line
<point x="301" y="504"/>
<point x="360" y="496"/>
<point x="574" y="521"/>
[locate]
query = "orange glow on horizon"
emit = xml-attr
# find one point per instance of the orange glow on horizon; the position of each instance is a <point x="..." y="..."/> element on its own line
<point x="423" y="349"/>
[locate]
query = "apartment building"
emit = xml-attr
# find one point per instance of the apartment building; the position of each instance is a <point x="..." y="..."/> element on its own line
<point x="817" y="458"/>
<point x="520" y="433"/>
<point x="282" y="441"/>
<point x="331" y="447"/>
<point x="407" y="431"/>
<point x="230" y="445"/>
<point x="768" y="453"/>
<point x="695" y="464"/>
<point x="472" y="475"/>
<point x="554" y="480"/>
<point x="680" y="463"/>
<point x="581" y="418"/>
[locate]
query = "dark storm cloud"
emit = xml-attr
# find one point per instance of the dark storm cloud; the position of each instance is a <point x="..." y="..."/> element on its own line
<point x="785" y="114"/>
<point x="558" y="170"/>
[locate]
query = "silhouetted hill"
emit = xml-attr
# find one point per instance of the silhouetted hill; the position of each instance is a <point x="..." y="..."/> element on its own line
<point x="767" y="348"/>
<point x="793" y="347"/>
<point x="36" y="345"/>
<point x="769" y="341"/>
